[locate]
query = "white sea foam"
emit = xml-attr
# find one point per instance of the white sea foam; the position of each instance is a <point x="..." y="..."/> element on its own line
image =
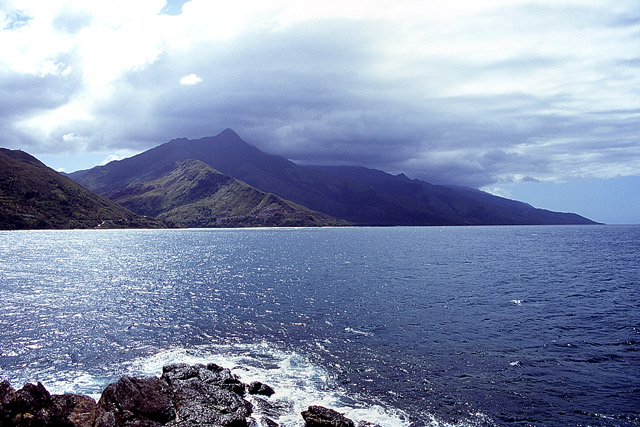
<point x="77" y="382"/>
<point x="298" y="382"/>
<point x="357" y="332"/>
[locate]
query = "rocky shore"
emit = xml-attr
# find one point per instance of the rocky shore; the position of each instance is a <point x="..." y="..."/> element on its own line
<point x="185" y="395"/>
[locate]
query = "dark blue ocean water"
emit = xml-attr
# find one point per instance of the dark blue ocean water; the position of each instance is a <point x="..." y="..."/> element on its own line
<point x="401" y="326"/>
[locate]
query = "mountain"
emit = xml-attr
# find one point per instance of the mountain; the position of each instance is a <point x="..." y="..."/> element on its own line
<point x="193" y="194"/>
<point x="227" y="153"/>
<point x="33" y="196"/>
<point x="358" y="195"/>
<point x="475" y="206"/>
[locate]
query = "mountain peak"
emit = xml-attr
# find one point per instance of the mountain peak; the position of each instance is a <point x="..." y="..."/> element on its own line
<point x="229" y="133"/>
<point x="227" y="137"/>
<point x="356" y="194"/>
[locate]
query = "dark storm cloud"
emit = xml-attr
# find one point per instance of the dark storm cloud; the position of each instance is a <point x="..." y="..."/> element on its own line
<point x="22" y="94"/>
<point x="25" y="95"/>
<point x="251" y="84"/>
<point x="309" y="94"/>
<point x="518" y="93"/>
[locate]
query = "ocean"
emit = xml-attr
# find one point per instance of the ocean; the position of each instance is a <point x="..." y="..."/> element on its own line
<point x="400" y="326"/>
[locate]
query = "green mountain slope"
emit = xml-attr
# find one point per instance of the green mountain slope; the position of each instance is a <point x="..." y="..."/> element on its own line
<point x="33" y="196"/>
<point x="192" y="194"/>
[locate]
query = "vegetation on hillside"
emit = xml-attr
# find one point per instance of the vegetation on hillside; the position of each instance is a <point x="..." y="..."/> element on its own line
<point x="193" y="194"/>
<point x="34" y="196"/>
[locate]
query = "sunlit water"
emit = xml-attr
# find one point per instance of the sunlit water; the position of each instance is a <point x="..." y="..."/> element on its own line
<point x="398" y="326"/>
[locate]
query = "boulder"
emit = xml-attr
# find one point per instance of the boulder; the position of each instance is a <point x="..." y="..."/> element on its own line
<point x="27" y="406"/>
<point x="256" y="387"/>
<point x="135" y="402"/>
<point x="184" y="396"/>
<point x="75" y="409"/>
<point x="211" y="374"/>
<point x="32" y="405"/>
<point x="319" y="416"/>
<point x="205" y="395"/>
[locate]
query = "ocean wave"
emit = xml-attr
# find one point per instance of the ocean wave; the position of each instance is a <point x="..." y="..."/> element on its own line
<point x="298" y="382"/>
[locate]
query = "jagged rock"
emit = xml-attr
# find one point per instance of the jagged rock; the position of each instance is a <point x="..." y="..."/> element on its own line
<point x="206" y="395"/>
<point x="135" y="402"/>
<point x="27" y="406"/>
<point x="256" y="387"/>
<point x="319" y="416"/>
<point x="32" y="405"/>
<point x="77" y="409"/>
<point x="184" y="396"/>
<point x="211" y="373"/>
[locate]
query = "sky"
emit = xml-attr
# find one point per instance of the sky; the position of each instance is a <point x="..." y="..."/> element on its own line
<point x="535" y="100"/>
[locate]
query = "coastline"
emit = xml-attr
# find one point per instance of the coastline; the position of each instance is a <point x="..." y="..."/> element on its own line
<point x="183" y="395"/>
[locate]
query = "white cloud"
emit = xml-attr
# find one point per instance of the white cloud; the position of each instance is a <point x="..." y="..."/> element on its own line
<point x="111" y="158"/>
<point x="118" y="155"/>
<point x="190" y="80"/>
<point x="498" y="191"/>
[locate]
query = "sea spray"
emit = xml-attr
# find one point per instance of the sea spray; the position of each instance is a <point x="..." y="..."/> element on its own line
<point x="297" y="382"/>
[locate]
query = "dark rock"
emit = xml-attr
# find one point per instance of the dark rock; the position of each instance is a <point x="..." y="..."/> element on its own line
<point x="8" y="404"/>
<point x="25" y="407"/>
<point x="76" y="409"/>
<point x="135" y="402"/>
<point x="34" y="406"/>
<point x="213" y="367"/>
<point x="206" y="395"/>
<point x="5" y="389"/>
<point x="367" y="424"/>
<point x="211" y="373"/>
<point x="319" y="416"/>
<point x="184" y="396"/>
<point x="256" y="387"/>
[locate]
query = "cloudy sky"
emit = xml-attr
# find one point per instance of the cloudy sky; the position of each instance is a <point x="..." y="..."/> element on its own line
<point x="535" y="100"/>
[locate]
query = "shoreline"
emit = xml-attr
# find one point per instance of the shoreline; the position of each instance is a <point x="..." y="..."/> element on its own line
<point x="183" y="395"/>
